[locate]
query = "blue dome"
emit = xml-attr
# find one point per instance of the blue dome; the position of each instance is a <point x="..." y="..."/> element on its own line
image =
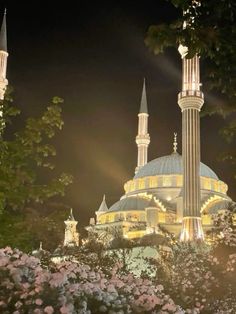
<point x="170" y="164"/>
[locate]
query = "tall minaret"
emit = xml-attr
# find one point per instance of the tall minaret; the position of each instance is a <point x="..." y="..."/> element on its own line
<point x="190" y="100"/>
<point x="71" y="234"/>
<point x="143" y="138"/>
<point x="3" y="57"/>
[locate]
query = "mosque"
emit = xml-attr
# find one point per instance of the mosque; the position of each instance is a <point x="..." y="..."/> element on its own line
<point x="154" y="196"/>
<point x="176" y="192"/>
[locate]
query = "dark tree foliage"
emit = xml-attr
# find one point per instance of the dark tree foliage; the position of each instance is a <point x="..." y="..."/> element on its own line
<point x="27" y="155"/>
<point x="210" y="32"/>
<point x="27" y="179"/>
<point x="26" y="228"/>
<point x="92" y="252"/>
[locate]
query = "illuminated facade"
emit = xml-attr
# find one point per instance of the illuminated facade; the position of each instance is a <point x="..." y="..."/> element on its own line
<point x="157" y="194"/>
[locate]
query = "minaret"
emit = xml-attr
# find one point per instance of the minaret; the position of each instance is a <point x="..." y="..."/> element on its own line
<point x="3" y="57"/>
<point x="71" y="234"/>
<point x="143" y="138"/>
<point x="190" y="100"/>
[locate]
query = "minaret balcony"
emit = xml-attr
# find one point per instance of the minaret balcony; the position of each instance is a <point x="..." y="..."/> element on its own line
<point x="143" y="139"/>
<point x="190" y="93"/>
<point x="190" y="100"/>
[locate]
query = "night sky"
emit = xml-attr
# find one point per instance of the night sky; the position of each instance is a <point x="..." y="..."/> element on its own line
<point x="93" y="55"/>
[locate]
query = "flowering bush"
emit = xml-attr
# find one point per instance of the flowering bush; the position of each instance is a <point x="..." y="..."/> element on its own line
<point x="26" y="287"/>
<point x="198" y="277"/>
<point x="225" y="226"/>
<point x="201" y="277"/>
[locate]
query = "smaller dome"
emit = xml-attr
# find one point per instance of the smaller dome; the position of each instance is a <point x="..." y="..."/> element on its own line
<point x="130" y="203"/>
<point x="222" y="205"/>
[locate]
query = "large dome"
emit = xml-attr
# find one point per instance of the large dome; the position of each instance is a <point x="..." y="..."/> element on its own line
<point x="170" y="164"/>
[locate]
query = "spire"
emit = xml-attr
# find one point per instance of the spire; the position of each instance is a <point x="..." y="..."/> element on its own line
<point x="103" y="207"/>
<point x="175" y="143"/>
<point x="143" y="105"/>
<point x="71" y="216"/>
<point x="3" y="34"/>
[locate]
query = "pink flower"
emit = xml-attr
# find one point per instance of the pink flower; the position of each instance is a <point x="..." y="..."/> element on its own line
<point x="38" y="301"/>
<point x="111" y="288"/>
<point x="169" y="307"/>
<point x="49" y="310"/>
<point x="160" y="288"/>
<point x="64" y="310"/>
<point x="25" y="285"/>
<point x="58" y="279"/>
<point x="4" y="261"/>
<point x="37" y="289"/>
<point x="8" y="250"/>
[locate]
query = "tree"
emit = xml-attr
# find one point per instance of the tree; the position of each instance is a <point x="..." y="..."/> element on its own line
<point x="24" y="158"/>
<point x="210" y="32"/>
<point x="26" y="228"/>
<point x="24" y="183"/>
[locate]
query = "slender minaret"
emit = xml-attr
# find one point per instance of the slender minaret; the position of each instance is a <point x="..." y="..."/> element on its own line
<point x="71" y="234"/>
<point x="3" y="57"/>
<point x="190" y="100"/>
<point x="143" y="138"/>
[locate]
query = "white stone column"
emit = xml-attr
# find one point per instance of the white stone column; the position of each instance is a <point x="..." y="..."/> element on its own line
<point x="190" y="101"/>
